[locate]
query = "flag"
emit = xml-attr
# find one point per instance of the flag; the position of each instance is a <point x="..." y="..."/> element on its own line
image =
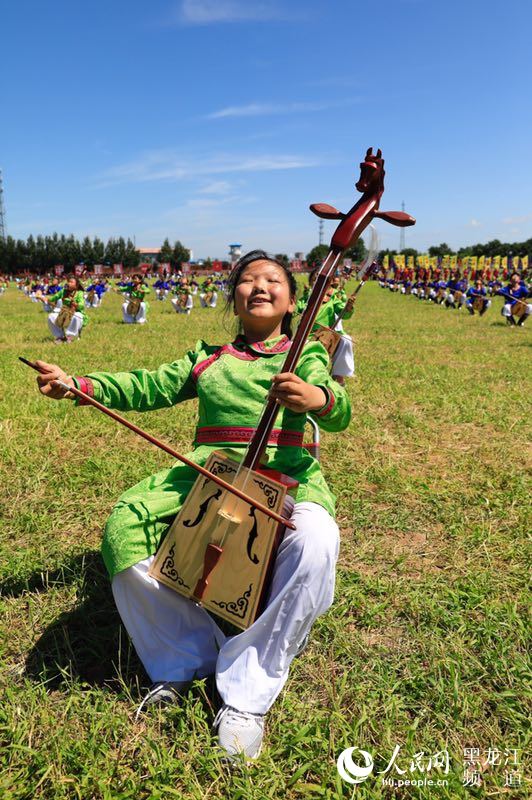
<point x="524" y="262"/>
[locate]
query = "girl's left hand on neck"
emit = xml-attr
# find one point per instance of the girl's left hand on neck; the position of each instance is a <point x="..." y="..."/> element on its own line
<point x="296" y="394"/>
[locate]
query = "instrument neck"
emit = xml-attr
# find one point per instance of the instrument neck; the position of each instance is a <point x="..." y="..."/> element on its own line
<point x="260" y="438"/>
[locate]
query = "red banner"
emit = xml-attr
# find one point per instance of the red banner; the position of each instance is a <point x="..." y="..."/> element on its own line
<point x="118" y="269"/>
<point x="59" y="269"/>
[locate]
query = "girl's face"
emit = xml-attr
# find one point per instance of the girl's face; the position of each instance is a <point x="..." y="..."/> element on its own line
<point x="262" y="295"/>
<point x="71" y="283"/>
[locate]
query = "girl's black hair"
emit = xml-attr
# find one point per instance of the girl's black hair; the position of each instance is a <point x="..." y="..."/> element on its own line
<point x="238" y="269"/>
<point x="72" y="277"/>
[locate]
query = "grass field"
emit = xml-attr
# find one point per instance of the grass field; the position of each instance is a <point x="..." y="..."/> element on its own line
<point x="425" y="646"/>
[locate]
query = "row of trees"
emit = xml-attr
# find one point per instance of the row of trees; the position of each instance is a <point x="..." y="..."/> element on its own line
<point x="175" y="254"/>
<point x="493" y="248"/>
<point x="357" y="253"/>
<point x="40" y="254"/>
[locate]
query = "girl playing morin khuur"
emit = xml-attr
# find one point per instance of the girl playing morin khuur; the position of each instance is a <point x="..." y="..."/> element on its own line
<point x="175" y="639"/>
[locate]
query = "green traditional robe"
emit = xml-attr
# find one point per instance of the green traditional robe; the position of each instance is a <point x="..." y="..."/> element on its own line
<point x="231" y="384"/>
<point x="140" y="293"/>
<point x="328" y="311"/>
<point x="78" y="297"/>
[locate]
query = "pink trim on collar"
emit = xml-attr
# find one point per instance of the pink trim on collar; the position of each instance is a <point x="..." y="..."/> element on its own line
<point x="279" y="347"/>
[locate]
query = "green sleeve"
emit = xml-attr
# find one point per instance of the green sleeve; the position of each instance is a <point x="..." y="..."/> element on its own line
<point x="339" y="305"/>
<point x="301" y="303"/>
<point x="143" y="390"/>
<point x="58" y="295"/>
<point x="313" y="368"/>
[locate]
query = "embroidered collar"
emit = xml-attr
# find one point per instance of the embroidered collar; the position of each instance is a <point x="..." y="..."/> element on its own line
<point x="279" y="344"/>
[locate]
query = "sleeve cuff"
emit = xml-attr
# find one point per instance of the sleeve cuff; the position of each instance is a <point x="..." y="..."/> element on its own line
<point x="86" y="386"/>
<point x="328" y="405"/>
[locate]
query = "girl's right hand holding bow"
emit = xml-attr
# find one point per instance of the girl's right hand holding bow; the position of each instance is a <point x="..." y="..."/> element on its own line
<point x="46" y="381"/>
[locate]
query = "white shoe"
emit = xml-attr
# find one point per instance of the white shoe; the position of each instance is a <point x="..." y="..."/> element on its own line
<point x="163" y="693"/>
<point x="239" y="732"/>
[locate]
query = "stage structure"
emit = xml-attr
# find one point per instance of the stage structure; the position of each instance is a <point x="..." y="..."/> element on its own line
<point x="235" y="251"/>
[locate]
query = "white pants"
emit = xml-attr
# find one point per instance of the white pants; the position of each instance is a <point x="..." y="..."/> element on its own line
<point x="212" y="303"/>
<point x="73" y="329"/>
<point x="140" y="318"/>
<point x="450" y="299"/>
<point x="179" y="308"/>
<point x="343" y="363"/>
<point x="177" y="640"/>
<point x="95" y="303"/>
<point x="507" y="309"/>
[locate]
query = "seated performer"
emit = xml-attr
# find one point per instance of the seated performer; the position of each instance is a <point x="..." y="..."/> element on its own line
<point x="182" y="302"/>
<point x="477" y="297"/>
<point x="343" y="361"/>
<point x="135" y="309"/>
<point x="515" y="309"/>
<point x="176" y="639"/>
<point x="457" y="292"/>
<point x="208" y="295"/>
<point x="66" y="324"/>
<point x="49" y="298"/>
<point x="94" y="293"/>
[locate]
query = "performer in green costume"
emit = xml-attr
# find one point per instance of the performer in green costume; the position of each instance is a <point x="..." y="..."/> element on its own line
<point x="176" y="639"/>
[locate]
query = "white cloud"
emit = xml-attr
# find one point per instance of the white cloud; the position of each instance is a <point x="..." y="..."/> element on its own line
<point x="474" y="223"/>
<point x="206" y="12"/>
<point x="165" y="166"/>
<point x="268" y="109"/>
<point x="216" y="187"/>
<point x="517" y="220"/>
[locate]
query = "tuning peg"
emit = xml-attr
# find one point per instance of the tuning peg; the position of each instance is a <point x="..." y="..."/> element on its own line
<point x="326" y="211"/>
<point x="398" y="218"/>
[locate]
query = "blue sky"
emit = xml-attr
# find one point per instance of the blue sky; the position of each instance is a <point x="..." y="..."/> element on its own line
<point x="214" y="121"/>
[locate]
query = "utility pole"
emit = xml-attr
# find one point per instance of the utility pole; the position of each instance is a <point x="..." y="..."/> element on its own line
<point x="321" y="231"/>
<point x="402" y="234"/>
<point x="3" y="232"/>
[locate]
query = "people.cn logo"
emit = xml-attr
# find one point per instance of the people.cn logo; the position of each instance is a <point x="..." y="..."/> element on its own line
<point x="351" y="772"/>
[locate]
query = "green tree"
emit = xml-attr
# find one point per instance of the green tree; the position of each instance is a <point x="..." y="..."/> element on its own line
<point x="180" y="255"/>
<point x="283" y="258"/>
<point x="87" y="253"/>
<point x="111" y="252"/>
<point x="98" y="251"/>
<point x="166" y="253"/>
<point x="317" y="255"/>
<point x="358" y="252"/>
<point x="131" y="255"/>
<point x="440" y="250"/>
